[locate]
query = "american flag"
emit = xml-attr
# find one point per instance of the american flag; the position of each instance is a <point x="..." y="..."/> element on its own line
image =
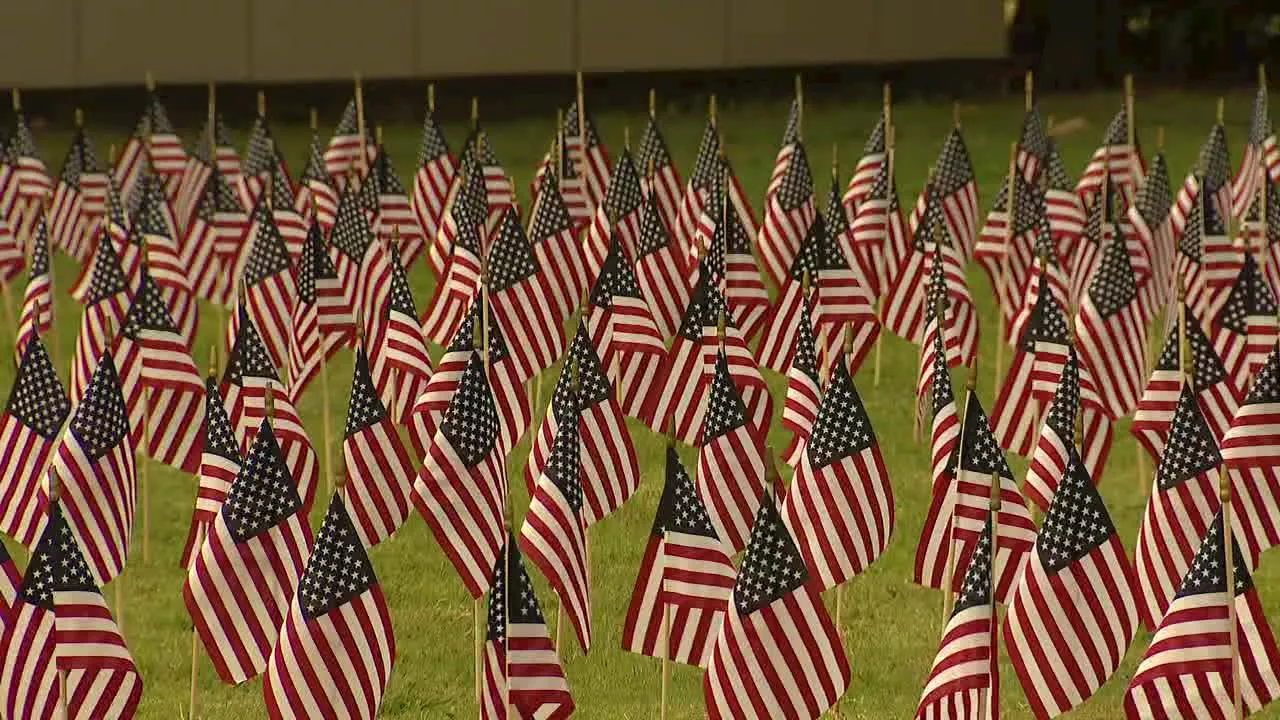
<point x="1007" y="253"/>
<point x="1217" y="393"/>
<point x="620" y="215"/>
<point x="153" y="235"/>
<point x="555" y="246"/>
<point x="875" y="155"/>
<point x="36" y="316"/>
<point x="1267" y="243"/>
<point x="1111" y="333"/>
<point x="1062" y="204"/>
<point x="10" y="584"/>
<point x="661" y="179"/>
<point x="1213" y="181"/>
<point x="32" y="176"/>
<point x="161" y="385"/>
<point x="94" y="468"/>
<point x="106" y="304"/>
<point x="1101" y="229"/>
<point x="210" y="260"/>
<point x="1074" y="397"/>
<point x="61" y="638"/>
<point x="396" y="218"/>
<point x="219" y="465"/>
<point x="938" y="336"/>
<point x="703" y="183"/>
<point x="338" y="627"/>
<point x="572" y="188"/>
<point x="463" y="230"/>
<point x="246" y="383"/>
<point x="1184" y="498"/>
<point x="790" y="143"/>
<point x="659" y="269"/>
<point x="343" y="152"/>
<point x="778" y="653"/>
<point x="957" y="189"/>
<point x="1115" y="159"/>
<point x="264" y="167"/>
<point x="522" y="300"/>
<point x="731" y="460"/>
<point x="1074" y="612"/>
<point x="500" y="191"/>
<point x="78" y="199"/>
<point x="461" y="490"/>
<point x="730" y="261"/>
<point x="398" y="357"/>
<point x="522" y="672"/>
<point x="1248" y="450"/>
<point x="316" y="196"/>
<point x="1219" y="258"/>
<point x="554" y="534"/>
<point x="309" y="346"/>
<point x="935" y="536"/>
<point x="846" y="295"/>
<point x="685" y="579"/>
<point x="1260" y="165"/>
<point x="379" y="470"/>
<point x="114" y="227"/>
<point x="804" y="389"/>
<point x="778" y="341"/>
<point x="509" y="394"/>
<point x="1245" y="328"/>
<point x="350" y="240"/>
<point x="1033" y="145"/>
<point x="964" y="682"/>
<point x="33" y="418"/>
<point x="789" y="211"/>
<point x="611" y="472"/>
<point x="431" y="182"/>
<point x="1188" y="264"/>
<point x="840" y="504"/>
<point x="269" y="286"/>
<point x="1149" y="218"/>
<point x="154" y="142"/>
<point x="622" y="327"/>
<point x="588" y="152"/>
<point x="879" y="236"/>
<point x="243" y="575"/>
<point x="1196" y="657"/>
<point x="195" y="173"/>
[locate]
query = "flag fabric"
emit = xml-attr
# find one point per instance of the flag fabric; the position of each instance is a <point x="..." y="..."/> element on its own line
<point x="1196" y="657"/>
<point x="154" y="142"/>
<point x="153" y="233"/>
<point x="196" y="171"/>
<point x="1248" y="449"/>
<point x="270" y="287"/>
<point x="1267" y="243"/>
<point x="840" y="508"/>
<point x="345" y="148"/>
<point x="1062" y="205"/>
<point x="611" y="471"/>
<point x="461" y="490"/>
<point x="1074" y="612"/>
<point x="875" y="155"/>
<point x="583" y="146"/>
<point x="31" y="174"/>
<point x="1033" y="145"/>
<point x="220" y="463"/>
<point x="790" y="142"/>
<point x="1152" y="229"/>
<point x="1260" y="165"/>
<point x="1116" y="160"/>
<point x="554" y="534"/>
<point x="956" y="186"/>
<point x="61" y="638"/>
<point x="1007" y="250"/>
<point x="265" y="171"/>
<point x="1111" y="332"/>
<point x="622" y="327"/>
<point x="1203" y="235"/>
<point x="210" y="247"/>
<point x="557" y="165"/>
<point x="789" y="211"/>
<point x="399" y="359"/>
<point x="1214" y="182"/>
<point x="379" y="471"/>
<point x="702" y="184"/>
<point x="619" y="215"/>
<point x="396" y="218"/>
<point x="1215" y="390"/>
<point x="29" y="428"/>
<point x="778" y="653"/>
<point x="660" y="176"/>
<point x="556" y="248"/>
<point x="522" y="672"/>
<point x="338" y="627"/>
<point x="731" y="262"/>
<point x="846" y="297"/>
<point x="162" y="387"/>
<point x="522" y="301"/>
<point x="1245" y="328"/>
<point x="879" y="236"/>
<point x="659" y="269"/>
<point x="732" y="467"/>
<point x="1101" y="229"/>
<point x="685" y="580"/>
<point x="10" y="584"/>
<point x="244" y="574"/>
<point x="499" y="189"/>
<point x="79" y="195"/>
<point x="463" y="231"/>
<point x="964" y="682"/>
<point x="431" y="182"/>
<point x="36" y="316"/>
<point x="932" y="548"/>
<point x="316" y="197"/>
<point x="94" y="469"/>
<point x="309" y="345"/>
<point x="106" y="304"/>
<point x="804" y="389"/>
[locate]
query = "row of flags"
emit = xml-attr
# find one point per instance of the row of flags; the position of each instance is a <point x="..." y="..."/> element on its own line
<point x="671" y="322"/>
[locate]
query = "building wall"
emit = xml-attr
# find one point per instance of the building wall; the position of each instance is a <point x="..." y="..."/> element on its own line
<point x="82" y="43"/>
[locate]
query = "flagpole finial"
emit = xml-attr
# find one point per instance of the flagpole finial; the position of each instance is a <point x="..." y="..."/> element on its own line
<point x="995" y="493"/>
<point x="17" y="100"/>
<point x="971" y="382"/>
<point x="315" y="121"/>
<point x="475" y="112"/>
<point x="269" y="405"/>
<point x="431" y="97"/>
<point x="653" y="103"/>
<point x="111" y="154"/>
<point x="79" y="116"/>
<point x="804" y="283"/>
<point x="1262" y="75"/>
<point x="213" y="359"/>
<point x="1029" y="91"/>
<point x="721" y="324"/>
<point x="848" y="339"/>
<point x="262" y="103"/>
<point x="574" y="374"/>
<point x="1222" y="109"/>
<point x="626" y="138"/>
<point x="377" y="135"/>
<point x="1160" y="139"/>
<point x="955" y="114"/>
<point x="1128" y="85"/>
<point x="711" y="109"/>
<point x="150" y="81"/>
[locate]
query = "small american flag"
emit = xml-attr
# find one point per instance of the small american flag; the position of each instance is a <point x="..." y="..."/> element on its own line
<point x="619" y="215"/>
<point x="36" y="316"/>
<point x="1214" y="166"/>
<point x="874" y="157"/>
<point x="588" y="152"/>
<point x="522" y="299"/>
<point x="778" y="340"/>
<point x="106" y="303"/>
<point x="462" y="232"/>
<point x="309" y="346"/>
<point x="380" y="473"/>
<point x="556" y="248"/>
<point x="1189" y="256"/>
<point x="662" y="181"/>
<point x="964" y="682"/>
<point x="1062" y="204"/>
<point x="461" y="490"/>
<point x="703" y="183"/>
<point x="256" y="546"/>
<point x="153" y="237"/>
<point x="155" y="133"/>
<point x="1115" y="159"/>
<point x="1268" y="242"/>
<point x="777" y="640"/>
<point x="935" y="535"/>
<point x="846" y="293"/>
<point x="789" y="212"/>
<point x="209" y="260"/>
<point x="264" y="166"/>
<point x="731" y="264"/>
<point x="32" y="175"/>
<point x="219" y="465"/>
<point x="338" y="627"/>
<point x="731" y="460"/>
<point x="1007" y="253"/>
<point x="316" y="195"/>
<point x="431" y="182"/>
<point x="195" y="175"/>
<point x="879" y="234"/>
<point x="1111" y="333"/>
<point x="10" y="584"/>
<point x="79" y="198"/>
<point x="554" y="534"/>
<point x="1260" y="164"/>
<point x="957" y="189"/>
<point x="790" y="142"/>
<point x="659" y="269"/>
<point x="94" y="468"/>
<point x="1248" y="449"/>
<point x="1078" y="590"/>
<point x="60" y="637"/>
<point x="396" y="218"/>
<point x="840" y="504"/>
<point x="631" y="348"/>
<point x="343" y="152"/>
<point x="1149" y="218"/>
<point x="500" y="191"/>
<point x="1245" y="328"/>
<point x="270" y="286"/>
<point x="1033" y="145"/>
<point x="398" y="357"/>
<point x="685" y="580"/>
<point x="522" y="672"/>
<point x="33" y="418"/>
<point x="350" y="241"/>
<point x="611" y="472"/>
<point x="1196" y="657"/>
<point x="804" y="389"/>
<point x="573" y="191"/>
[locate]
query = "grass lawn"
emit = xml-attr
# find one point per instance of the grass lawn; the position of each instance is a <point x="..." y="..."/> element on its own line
<point x="892" y="626"/>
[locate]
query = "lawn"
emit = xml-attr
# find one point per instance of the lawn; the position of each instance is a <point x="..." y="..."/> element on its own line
<point x="891" y="625"/>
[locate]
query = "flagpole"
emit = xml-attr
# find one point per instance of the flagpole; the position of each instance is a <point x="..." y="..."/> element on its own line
<point x="987" y="711"/>
<point x="970" y="386"/>
<point x="1228" y="543"/>
<point x="887" y="118"/>
<point x="799" y="105"/>
<point x="1011" y="206"/>
<point x="1131" y="127"/>
<point x="360" y="125"/>
<point x="581" y="160"/>
<point x="483" y="348"/>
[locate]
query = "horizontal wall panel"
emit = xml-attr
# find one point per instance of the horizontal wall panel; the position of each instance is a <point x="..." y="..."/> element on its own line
<point x="956" y="29"/>
<point x="798" y="32"/>
<point x="37" y="43"/>
<point x="653" y="35"/>
<point x="298" y="40"/>
<point x="180" y="41"/>
<point x="491" y="37"/>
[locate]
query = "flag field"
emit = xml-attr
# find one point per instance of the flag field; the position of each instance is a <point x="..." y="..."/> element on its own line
<point x="891" y="626"/>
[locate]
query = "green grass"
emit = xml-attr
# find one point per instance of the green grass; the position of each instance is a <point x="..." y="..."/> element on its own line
<point x="892" y="626"/>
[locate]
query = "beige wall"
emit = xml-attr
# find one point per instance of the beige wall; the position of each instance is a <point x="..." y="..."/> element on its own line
<point x="62" y="43"/>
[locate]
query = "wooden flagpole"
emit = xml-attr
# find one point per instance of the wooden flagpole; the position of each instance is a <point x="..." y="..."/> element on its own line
<point x="361" y="128"/>
<point x="431" y="97"/>
<point x="1029" y="91"/>
<point x="889" y="140"/>
<point x="1131" y="131"/>
<point x="988" y="703"/>
<point x="948" y="599"/>
<point x="1228" y="543"/>
<point x="201" y="530"/>
<point x="144" y="472"/>
<point x="653" y="104"/>
<point x="326" y="417"/>
<point x="955" y="114"/>
<point x="799" y="105"/>
<point x="1011" y="206"/>
<point x="483" y="347"/>
<point x="666" y="608"/>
